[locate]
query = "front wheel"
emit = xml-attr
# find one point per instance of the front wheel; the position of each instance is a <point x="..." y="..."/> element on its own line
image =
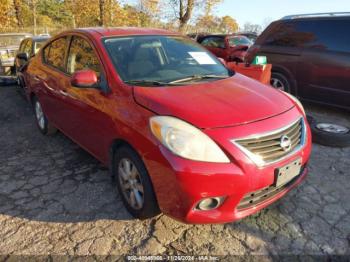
<point x="133" y="183"/>
<point x="43" y="124"/>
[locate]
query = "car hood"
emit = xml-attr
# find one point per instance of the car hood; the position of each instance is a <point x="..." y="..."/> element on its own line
<point x="233" y="101"/>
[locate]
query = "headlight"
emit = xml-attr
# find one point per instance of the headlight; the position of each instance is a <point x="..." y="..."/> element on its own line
<point x="186" y="140"/>
<point x="296" y="100"/>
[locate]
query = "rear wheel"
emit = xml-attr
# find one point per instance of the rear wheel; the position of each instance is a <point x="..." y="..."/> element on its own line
<point x="41" y="120"/>
<point x="133" y="183"/>
<point x="280" y="81"/>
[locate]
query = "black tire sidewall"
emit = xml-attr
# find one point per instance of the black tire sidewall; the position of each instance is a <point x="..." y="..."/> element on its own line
<point x="286" y="82"/>
<point x="150" y="207"/>
<point x="327" y="138"/>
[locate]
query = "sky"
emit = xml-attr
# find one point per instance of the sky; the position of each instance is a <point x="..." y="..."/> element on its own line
<point x="263" y="11"/>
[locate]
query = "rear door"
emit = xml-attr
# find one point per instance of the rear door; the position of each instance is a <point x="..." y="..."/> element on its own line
<point x="324" y="73"/>
<point x="51" y="78"/>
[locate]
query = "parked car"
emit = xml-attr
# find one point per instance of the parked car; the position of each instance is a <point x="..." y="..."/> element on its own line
<point x="27" y="49"/>
<point x="310" y="56"/>
<point x="9" y="44"/>
<point x="180" y="132"/>
<point x="251" y="35"/>
<point x="231" y="48"/>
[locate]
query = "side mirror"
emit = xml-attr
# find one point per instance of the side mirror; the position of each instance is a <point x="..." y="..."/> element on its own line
<point x="23" y="56"/>
<point x="84" y="79"/>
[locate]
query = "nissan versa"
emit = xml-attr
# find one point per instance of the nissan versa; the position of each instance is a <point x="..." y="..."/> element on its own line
<point x="181" y="133"/>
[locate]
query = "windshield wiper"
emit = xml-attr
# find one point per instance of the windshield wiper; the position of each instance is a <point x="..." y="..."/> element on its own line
<point x="198" y="77"/>
<point x="149" y="83"/>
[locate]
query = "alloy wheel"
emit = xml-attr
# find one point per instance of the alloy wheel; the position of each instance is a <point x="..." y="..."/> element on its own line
<point x="131" y="183"/>
<point x="332" y="128"/>
<point x="278" y="84"/>
<point x="39" y="115"/>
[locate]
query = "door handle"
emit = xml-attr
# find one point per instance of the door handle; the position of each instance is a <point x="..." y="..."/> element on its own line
<point x="38" y="78"/>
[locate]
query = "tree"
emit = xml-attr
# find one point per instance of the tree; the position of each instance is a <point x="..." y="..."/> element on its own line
<point x="18" y="12"/>
<point x="228" y="25"/>
<point x="184" y="12"/>
<point x="254" y="28"/>
<point x="208" y="24"/>
<point x="102" y="11"/>
<point x="7" y="17"/>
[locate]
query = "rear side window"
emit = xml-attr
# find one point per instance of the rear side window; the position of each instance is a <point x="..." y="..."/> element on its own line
<point x="54" y="53"/>
<point x="328" y="34"/>
<point x="28" y="47"/>
<point x="287" y="34"/>
<point x="325" y="34"/>
<point x="23" y="44"/>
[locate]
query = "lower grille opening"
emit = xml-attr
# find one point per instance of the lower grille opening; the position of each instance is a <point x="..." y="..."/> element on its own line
<point x="257" y="197"/>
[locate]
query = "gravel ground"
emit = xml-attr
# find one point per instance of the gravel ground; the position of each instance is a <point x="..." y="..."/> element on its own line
<point x="56" y="199"/>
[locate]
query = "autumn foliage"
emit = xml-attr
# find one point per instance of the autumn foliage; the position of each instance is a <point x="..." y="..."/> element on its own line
<point x="40" y="16"/>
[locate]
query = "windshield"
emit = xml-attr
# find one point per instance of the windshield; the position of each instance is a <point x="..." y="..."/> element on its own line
<point x="157" y="60"/>
<point x="8" y="40"/>
<point x="239" y="40"/>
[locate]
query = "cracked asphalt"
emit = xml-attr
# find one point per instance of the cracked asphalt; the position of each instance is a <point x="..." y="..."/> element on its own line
<point x="55" y="199"/>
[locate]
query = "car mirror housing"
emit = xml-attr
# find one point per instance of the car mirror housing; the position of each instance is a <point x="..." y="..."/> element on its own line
<point x="85" y="79"/>
<point x="23" y="56"/>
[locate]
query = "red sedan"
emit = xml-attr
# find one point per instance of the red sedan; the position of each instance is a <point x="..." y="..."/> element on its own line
<point x="181" y="133"/>
<point x="231" y="48"/>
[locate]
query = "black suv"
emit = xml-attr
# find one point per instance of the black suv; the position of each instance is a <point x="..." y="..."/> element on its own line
<point x="310" y="55"/>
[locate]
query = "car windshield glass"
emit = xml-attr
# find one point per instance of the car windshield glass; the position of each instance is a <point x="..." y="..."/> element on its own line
<point x="239" y="40"/>
<point x="163" y="59"/>
<point x="10" y="40"/>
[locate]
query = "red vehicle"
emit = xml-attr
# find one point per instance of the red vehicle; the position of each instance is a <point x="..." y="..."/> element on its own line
<point x="181" y="133"/>
<point x="231" y="48"/>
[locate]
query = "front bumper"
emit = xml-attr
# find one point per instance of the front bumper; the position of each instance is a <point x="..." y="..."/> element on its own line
<point x="180" y="184"/>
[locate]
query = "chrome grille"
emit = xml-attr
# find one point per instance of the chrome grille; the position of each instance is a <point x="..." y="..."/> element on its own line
<point x="268" y="148"/>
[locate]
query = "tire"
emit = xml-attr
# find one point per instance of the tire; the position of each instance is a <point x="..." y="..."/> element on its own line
<point x="133" y="183"/>
<point x="329" y="134"/>
<point x="43" y="124"/>
<point x="281" y="82"/>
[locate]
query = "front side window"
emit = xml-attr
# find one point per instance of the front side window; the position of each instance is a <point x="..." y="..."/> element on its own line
<point x="82" y="56"/>
<point x="54" y="53"/>
<point x="163" y="59"/>
<point x="288" y="34"/>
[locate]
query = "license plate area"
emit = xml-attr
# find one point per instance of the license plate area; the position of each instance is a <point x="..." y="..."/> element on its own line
<point x="285" y="174"/>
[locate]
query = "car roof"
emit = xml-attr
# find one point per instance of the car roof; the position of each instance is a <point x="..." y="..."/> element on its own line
<point x="40" y="38"/>
<point x="120" y="31"/>
<point x="317" y="16"/>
